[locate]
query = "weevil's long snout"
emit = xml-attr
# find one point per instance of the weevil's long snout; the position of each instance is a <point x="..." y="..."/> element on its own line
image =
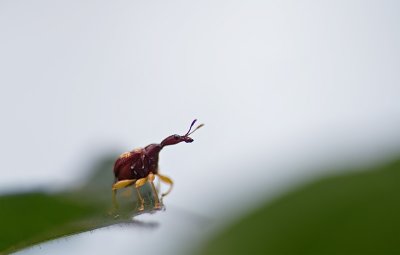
<point x="174" y="139"/>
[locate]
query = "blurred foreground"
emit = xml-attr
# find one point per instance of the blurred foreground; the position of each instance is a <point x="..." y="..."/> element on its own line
<point x="354" y="213"/>
<point x="33" y="217"/>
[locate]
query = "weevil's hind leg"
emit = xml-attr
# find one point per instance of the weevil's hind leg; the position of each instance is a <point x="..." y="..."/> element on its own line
<point x="157" y="204"/>
<point x="116" y="186"/>
<point x="114" y="200"/>
<point x="167" y="180"/>
<point x="158" y="185"/>
<point x="141" y="200"/>
<point x="139" y="183"/>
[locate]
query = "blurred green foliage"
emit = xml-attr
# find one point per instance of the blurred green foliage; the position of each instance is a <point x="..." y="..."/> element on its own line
<point x="30" y="218"/>
<point x="354" y="213"/>
<point x="33" y="217"/>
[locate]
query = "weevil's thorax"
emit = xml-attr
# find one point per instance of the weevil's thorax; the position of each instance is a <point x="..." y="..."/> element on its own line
<point x="152" y="151"/>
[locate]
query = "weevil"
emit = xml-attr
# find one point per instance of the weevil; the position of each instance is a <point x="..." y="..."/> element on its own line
<point x="139" y="166"/>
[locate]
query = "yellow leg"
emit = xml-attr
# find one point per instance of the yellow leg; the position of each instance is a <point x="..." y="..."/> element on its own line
<point x="114" y="200"/>
<point x="139" y="183"/>
<point x="119" y="185"/>
<point x="167" y="180"/>
<point x="158" y="185"/>
<point x="122" y="184"/>
<point x="157" y="204"/>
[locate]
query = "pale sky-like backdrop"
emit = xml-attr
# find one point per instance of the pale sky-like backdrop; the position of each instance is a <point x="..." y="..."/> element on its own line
<point x="285" y="88"/>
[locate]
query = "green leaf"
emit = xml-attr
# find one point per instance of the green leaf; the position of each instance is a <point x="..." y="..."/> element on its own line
<point x="33" y="217"/>
<point x="355" y="213"/>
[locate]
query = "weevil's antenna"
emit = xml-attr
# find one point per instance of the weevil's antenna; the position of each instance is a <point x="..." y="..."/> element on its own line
<point x="199" y="126"/>
<point x="191" y="125"/>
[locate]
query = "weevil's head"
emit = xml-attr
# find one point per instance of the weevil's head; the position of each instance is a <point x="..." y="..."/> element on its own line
<point x="174" y="139"/>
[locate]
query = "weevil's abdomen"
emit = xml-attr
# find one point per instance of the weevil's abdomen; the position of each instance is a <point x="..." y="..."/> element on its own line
<point x="137" y="163"/>
<point x="125" y="167"/>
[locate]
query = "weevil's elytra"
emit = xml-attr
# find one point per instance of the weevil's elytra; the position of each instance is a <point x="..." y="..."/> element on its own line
<point x="139" y="166"/>
<point x="125" y="155"/>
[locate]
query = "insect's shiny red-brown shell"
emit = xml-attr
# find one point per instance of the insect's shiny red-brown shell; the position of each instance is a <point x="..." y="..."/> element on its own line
<point x="136" y="164"/>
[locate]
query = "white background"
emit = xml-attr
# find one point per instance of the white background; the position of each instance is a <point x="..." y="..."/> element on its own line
<point x="285" y="88"/>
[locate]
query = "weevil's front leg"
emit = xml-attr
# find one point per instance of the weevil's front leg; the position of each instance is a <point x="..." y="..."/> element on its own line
<point x="119" y="185"/>
<point x="167" y="180"/>
<point x="139" y="183"/>
<point x="157" y="204"/>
